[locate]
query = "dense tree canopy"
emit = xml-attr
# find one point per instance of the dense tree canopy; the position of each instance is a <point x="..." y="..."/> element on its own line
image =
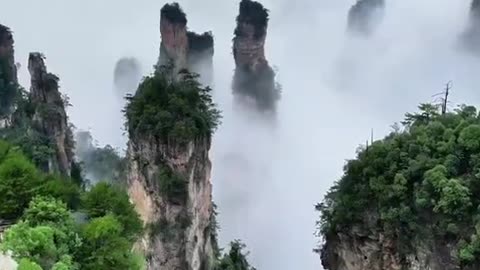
<point x="46" y="235"/>
<point x="171" y="107"/>
<point x="423" y="181"/>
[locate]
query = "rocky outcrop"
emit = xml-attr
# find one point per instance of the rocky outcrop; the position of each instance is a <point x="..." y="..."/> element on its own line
<point x="366" y="248"/>
<point x="50" y="118"/>
<point x="126" y="75"/>
<point x="178" y="234"/>
<point x="8" y="76"/>
<point x="365" y="16"/>
<point x="254" y="79"/>
<point x="185" y="49"/>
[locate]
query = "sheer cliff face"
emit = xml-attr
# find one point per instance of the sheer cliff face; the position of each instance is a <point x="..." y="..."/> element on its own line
<point x="365" y="16"/>
<point x="8" y="75"/>
<point x="187" y="50"/>
<point x="50" y="117"/>
<point x="179" y="229"/>
<point x="254" y="79"/>
<point x="360" y="249"/>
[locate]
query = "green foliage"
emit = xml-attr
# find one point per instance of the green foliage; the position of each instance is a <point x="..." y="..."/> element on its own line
<point x="19" y="182"/>
<point x="423" y="182"/>
<point x="235" y="259"/>
<point x="45" y="236"/>
<point x="26" y="264"/>
<point x="104" y="199"/>
<point x="110" y="249"/>
<point x="63" y="189"/>
<point x="172" y="185"/>
<point x="172" y="110"/>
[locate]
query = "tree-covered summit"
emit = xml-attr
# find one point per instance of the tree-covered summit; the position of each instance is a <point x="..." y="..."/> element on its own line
<point x="174" y="108"/>
<point x="419" y="183"/>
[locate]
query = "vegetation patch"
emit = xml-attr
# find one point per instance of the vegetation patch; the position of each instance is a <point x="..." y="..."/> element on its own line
<point x="172" y="108"/>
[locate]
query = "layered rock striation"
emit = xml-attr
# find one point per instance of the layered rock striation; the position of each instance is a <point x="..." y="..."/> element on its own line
<point x="254" y="79"/>
<point x="8" y="76"/>
<point x="185" y="49"/>
<point x="49" y="117"/>
<point x="365" y="16"/>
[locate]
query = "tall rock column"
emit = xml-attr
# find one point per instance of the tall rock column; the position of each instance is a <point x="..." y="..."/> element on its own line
<point x="185" y="49"/>
<point x="169" y="171"/>
<point x="254" y="79"/>
<point x="471" y="37"/>
<point x="8" y="76"/>
<point x="365" y="16"/>
<point x="50" y="118"/>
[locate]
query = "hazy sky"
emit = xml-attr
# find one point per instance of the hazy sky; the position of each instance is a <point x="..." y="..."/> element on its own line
<point x="335" y="90"/>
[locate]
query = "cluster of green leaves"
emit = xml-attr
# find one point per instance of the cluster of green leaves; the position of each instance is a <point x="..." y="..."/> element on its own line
<point x="235" y="259"/>
<point x="20" y="181"/>
<point x="172" y="108"/>
<point x="422" y="182"/>
<point x="47" y="236"/>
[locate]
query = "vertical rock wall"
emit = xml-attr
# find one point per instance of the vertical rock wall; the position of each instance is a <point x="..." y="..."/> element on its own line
<point x="8" y="76"/>
<point x="50" y="117"/>
<point x="178" y="234"/>
<point x="254" y="79"/>
<point x="185" y="49"/>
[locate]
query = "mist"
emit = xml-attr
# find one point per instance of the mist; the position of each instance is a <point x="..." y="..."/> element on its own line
<point x="335" y="89"/>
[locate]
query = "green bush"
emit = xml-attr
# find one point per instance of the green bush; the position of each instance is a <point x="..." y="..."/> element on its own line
<point x="19" y="183"/>
<point x="105" y="247"/>
<point x="172" y="110"/>
<point x="104" y="199"/>
<point x="235" y="259"/>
